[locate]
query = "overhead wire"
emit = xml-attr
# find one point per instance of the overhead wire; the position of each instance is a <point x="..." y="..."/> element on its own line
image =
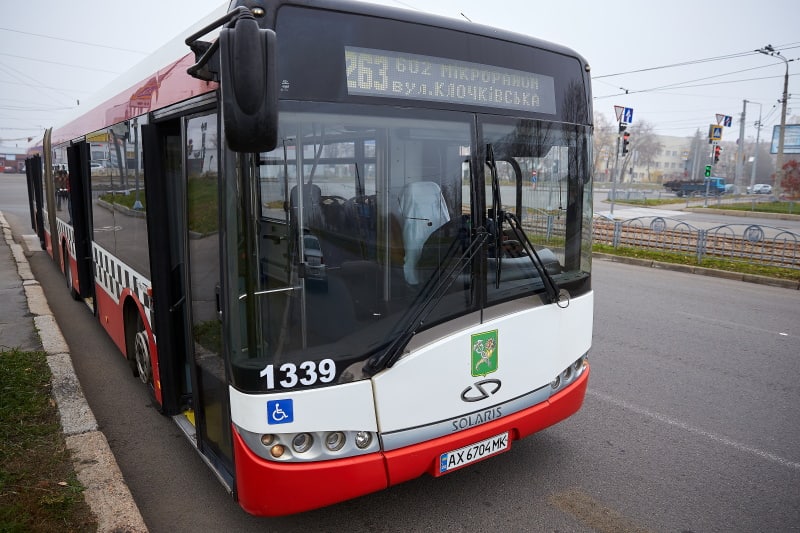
<point x="60" y="63"/>
<point x="85" y="43"/>
<point x="681" y="86"/>
<point x="788" y="46"/>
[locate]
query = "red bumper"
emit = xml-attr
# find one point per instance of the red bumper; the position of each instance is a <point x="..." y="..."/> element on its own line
<point x="273" y="489"/>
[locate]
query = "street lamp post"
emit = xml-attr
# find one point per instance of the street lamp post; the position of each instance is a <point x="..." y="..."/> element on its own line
<point x="770" y="51"/>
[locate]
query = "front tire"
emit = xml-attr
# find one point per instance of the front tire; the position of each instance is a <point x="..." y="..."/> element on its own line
<point x="142" y="357"/>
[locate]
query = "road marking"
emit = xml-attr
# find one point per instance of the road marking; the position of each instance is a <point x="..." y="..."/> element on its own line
<point x="697" y="431"/>
<point x="730" y="325"/>
<point x="593" y="513"/>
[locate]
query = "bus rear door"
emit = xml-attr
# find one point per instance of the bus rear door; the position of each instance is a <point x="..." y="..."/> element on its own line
<point x="80" y="216"/>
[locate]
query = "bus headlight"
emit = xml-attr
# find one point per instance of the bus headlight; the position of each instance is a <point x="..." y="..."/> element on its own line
<point x="277" y="451"/>
<point x="307" y="446"/>
<point x="302" y="442"/>
<point x="569" y="374"/>
<point x="334" y="441"/>
<point x="363" y="439"/>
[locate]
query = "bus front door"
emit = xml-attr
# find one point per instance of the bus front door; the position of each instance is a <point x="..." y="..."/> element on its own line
<point x="183" y="217"/>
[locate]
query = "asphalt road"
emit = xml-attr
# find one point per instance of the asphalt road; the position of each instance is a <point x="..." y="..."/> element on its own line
<point x="691" y="423"/>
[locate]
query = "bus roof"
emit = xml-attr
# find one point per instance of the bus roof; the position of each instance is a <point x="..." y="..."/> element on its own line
<point x="416" y="17"/>
<point x="157" y="81"/>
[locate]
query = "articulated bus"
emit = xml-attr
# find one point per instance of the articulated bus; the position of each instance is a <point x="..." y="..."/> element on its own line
<point x="343" y="245"/>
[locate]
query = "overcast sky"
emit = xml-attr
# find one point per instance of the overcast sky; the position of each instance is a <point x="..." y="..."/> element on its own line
<point x="54" y="53"/>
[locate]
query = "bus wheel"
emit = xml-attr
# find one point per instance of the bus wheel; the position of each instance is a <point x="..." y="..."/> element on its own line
<point x="142" y="356"/>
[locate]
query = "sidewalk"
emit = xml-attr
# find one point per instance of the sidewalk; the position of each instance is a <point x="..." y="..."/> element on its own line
<point x="27" y="323"/>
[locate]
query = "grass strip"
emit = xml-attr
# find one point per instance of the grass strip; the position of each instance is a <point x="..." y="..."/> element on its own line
<point x="38" y="487"/>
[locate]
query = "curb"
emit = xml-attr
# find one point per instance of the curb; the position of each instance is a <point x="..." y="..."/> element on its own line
<point x="702" y="271"/>
<point x="106" y="492"/>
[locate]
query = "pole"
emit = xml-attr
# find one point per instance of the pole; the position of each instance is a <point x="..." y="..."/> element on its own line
<point x="614" y="175"/>
<point x="755" y="156"/>
<point x="779" y="158"/>
<point x="740" y="149"/>
<point x="769" y="50"/>
<point x="708" y="180"/>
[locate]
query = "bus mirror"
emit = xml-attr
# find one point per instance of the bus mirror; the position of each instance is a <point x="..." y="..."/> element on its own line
<point x="248" y="81"/>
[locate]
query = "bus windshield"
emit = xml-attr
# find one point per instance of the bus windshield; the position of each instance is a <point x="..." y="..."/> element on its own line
<point x="363" y="210"/>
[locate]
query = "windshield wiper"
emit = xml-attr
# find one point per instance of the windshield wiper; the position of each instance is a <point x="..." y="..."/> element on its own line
<point x="426" y="301"/>
<point x="553" y="293"/>
<point x="495" y="214"/>
<point x="500" y="217"/>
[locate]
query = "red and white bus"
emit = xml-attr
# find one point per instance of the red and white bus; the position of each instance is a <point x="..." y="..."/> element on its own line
<point x="315" y="238"/>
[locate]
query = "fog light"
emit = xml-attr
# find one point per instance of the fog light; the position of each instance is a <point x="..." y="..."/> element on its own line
<point x="277" y="450"/>
<point x="302" y="442"/>
<point x="363" y="439"/>
<point x="267" y="439"/>
<point x="334" y="441"/>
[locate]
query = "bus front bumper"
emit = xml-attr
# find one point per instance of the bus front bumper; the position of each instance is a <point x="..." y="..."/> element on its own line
<point x="274" y="489"/>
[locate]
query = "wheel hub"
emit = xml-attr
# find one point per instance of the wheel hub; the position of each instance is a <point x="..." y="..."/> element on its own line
<point x="143" y="357"/>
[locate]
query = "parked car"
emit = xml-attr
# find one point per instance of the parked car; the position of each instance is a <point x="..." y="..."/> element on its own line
<point x="760" y="188"/>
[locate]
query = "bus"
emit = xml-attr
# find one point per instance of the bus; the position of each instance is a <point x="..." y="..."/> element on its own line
<point x="343" y="245"/>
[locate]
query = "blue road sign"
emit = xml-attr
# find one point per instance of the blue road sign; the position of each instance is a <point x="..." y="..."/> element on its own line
<point x="627" y="115"/>
<point x="728" y="121"/>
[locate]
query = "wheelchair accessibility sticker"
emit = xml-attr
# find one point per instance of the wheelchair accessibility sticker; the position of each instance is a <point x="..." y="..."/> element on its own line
<point x="280" y="411"/>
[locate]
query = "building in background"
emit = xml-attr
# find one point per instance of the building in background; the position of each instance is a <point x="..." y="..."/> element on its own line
<point x="12" y="159"/>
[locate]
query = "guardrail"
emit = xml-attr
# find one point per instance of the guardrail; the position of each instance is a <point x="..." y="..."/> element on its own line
<point x="627" y="195"/>
<point x="750" y="243"/>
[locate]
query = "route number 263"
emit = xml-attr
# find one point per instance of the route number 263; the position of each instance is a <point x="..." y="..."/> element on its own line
<point x="307" y="373"/>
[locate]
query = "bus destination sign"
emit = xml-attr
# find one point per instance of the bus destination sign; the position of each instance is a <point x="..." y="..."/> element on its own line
<point x="390" y="74"/>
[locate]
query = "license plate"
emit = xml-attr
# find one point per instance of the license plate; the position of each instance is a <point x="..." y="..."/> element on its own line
<point x="474" y="452"/>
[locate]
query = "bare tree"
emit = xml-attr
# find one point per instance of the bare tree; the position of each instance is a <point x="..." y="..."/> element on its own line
<point x="605" y="143"/>
<point x="645" y="143"/>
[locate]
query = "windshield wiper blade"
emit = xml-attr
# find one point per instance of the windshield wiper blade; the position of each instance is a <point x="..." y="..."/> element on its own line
<point x="496" y="216"/>
<point x="500" y="217"/>
<point x="426" y="302"/>
<point x="547" y="280"/>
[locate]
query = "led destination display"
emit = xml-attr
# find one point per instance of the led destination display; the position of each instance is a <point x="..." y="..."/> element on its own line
<point x="417" y="77"/>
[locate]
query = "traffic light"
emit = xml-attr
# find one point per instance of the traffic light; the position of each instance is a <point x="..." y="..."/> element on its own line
<point x="622" y="127"/>
<point x="717" y="151"/>
<point x="708" y="171"/>
<point x="625" y="142"/>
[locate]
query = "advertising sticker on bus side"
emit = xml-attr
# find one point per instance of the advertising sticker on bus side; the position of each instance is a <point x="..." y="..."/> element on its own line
<point x="474" y="452"/>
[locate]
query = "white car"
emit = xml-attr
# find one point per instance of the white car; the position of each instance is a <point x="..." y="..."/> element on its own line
<point x="760" y="188"/>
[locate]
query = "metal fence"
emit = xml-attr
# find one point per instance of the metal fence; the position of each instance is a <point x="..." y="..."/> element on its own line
<point x="753" y="200"/>
<point x="544" y="220"/>
<point x="749" y="243"/>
